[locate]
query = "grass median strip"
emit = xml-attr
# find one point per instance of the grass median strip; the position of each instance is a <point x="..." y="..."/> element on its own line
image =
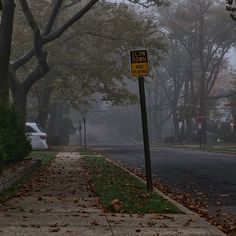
<point x="121" y="192"/>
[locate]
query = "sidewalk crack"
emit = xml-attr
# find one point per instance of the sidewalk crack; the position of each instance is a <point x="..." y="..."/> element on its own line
<point x="110" y="226"/>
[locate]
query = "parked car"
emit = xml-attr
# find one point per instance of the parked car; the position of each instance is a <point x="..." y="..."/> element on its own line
<point x="36" y="135"/>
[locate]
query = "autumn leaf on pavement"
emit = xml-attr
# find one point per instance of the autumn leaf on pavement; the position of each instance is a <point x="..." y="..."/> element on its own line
<point x="116" y="205"/>
<point x="94" y="222"/>
<point x="54" y="230"/>
<point x="188" y="222"/>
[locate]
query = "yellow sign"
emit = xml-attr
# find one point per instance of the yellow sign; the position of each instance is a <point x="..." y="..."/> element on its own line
<point x="139" y="63"/>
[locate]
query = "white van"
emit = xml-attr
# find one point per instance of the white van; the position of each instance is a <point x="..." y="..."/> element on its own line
<point x="36" y="135"/>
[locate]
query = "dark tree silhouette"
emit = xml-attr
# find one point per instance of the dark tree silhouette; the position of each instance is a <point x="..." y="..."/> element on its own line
<point x="231" y="8"/>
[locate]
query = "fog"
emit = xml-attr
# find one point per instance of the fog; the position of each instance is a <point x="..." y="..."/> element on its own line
<point x="191" y="75"/>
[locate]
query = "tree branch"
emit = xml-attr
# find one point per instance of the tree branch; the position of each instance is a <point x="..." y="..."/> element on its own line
<point x="222" y="96"/>
<point x="50" y="37"/>
<point x="71" y="21"/>
<point x="41" y="56"/>
<point x="53" y="16"/>
<point x="34" y="76"/>
<point x="34" y="26"/>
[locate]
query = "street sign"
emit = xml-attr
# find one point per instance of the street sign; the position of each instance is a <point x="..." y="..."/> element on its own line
<point x="139" y="63"/>
<point x="200" y="117"/>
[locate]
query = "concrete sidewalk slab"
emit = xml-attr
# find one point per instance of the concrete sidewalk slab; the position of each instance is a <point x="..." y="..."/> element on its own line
<point x="63" y="203"/>
<point x="49" y="231"/>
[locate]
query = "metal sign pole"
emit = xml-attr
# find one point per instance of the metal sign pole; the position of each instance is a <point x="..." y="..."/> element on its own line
<point x="200" y="134"/>
<point x="80" y="133"/>
<point x="145" y="134"/>
<point x="85" y="135"/>
<point x="139" y="68"/>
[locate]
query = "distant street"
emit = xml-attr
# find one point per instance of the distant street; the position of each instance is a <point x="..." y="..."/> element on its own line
<point x="197" y="172"/>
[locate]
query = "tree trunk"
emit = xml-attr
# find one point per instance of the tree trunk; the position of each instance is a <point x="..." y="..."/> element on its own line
<point x="157" y="128"/>
<point x="176" y="125"/>
<point x="189" y="130"/>
<point x="1" y="162"/>
<point x="43" y="107"/>
<point x="6" y="29"/>
<point x="20" y="103"/>
<point x="202" y="109"/>
<point x="158" y="132"/>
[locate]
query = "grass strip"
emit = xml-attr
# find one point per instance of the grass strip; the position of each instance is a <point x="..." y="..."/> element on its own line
<point x="44" y="156"/>
<point x="84" y="151"/>
<point x="113" y="183"/>
<point x="226" y="150"/>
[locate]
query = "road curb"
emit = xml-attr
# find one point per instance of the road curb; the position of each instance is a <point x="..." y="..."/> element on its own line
<point x="178" y="205"/>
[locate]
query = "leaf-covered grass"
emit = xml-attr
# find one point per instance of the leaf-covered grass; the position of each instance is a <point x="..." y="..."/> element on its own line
<point x="112" y="182"/>
<point x="44" y="156"/>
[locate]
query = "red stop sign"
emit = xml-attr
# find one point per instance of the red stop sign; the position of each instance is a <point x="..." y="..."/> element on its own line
<point x="200" y="117"/>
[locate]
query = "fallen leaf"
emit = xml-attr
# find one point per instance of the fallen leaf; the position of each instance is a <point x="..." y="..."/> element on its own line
<point x="116" y="205"/>
<point x="188" y="222"/>
<point x="94" y="222"/>
<point x="54" y="230"/>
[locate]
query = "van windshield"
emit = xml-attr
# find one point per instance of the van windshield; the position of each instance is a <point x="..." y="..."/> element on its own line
<point x="40" y="128"/>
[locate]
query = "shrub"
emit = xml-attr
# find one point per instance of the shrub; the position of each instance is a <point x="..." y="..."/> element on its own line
<point x="1" y="159"/>
<point x="13" y="140"/>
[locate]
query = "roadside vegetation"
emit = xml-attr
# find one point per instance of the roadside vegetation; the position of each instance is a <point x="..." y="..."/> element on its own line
<point x="227" y="149"/>
<point x="14" y="145"/>
<point x="45" y="158"/>
<point x="121" y="192"/>
<point x="223" y="149"/>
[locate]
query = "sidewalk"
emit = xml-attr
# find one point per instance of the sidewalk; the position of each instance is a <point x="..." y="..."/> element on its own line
<point x="61" y="202"/>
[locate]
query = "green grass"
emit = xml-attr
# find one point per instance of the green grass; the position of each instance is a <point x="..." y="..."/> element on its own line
<point x="44" y="156"/>
<point x="112" y="182"/>
<point x="223" y="148"/>
<point x="83" y="151"/>
<point x="218" y="149"/>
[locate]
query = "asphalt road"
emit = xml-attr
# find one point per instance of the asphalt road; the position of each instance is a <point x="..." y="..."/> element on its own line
<point x="213" y="174"/>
